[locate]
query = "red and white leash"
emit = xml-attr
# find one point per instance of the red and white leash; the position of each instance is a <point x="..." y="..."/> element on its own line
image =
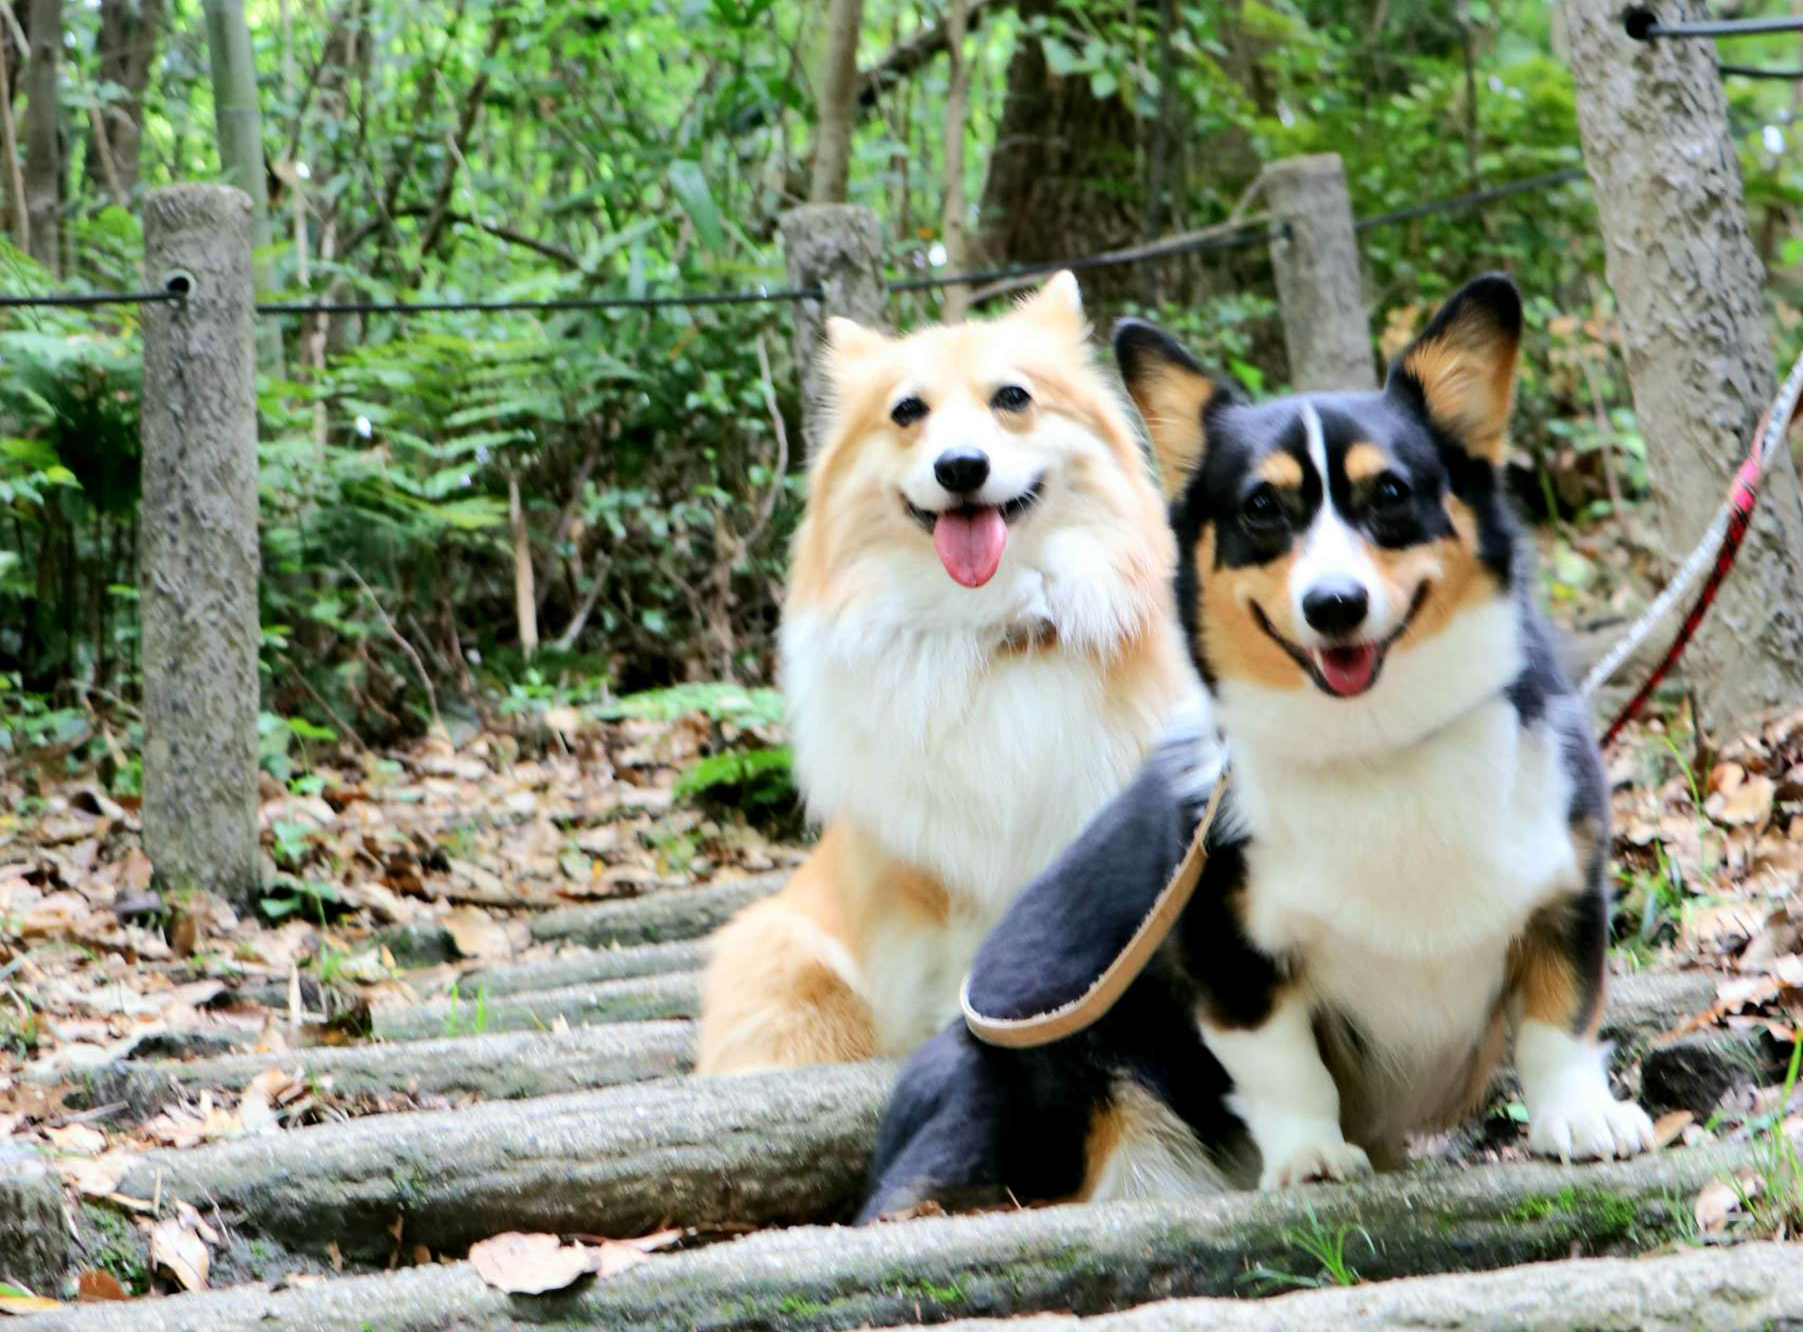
<point x="1716" y="551"/>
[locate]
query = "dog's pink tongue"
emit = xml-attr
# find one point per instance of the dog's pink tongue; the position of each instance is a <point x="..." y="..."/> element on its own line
<point x="970" y="542"/>
<point x="1348" y="670"/>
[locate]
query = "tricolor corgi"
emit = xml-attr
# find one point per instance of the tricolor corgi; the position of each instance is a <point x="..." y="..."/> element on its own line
<point x="1407" y="861"/>
<point x="979" y="650"/>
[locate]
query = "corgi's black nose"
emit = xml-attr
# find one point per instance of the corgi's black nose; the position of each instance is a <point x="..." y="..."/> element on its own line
<point x="961" y="470"/>
<point x="1335" y="607"/>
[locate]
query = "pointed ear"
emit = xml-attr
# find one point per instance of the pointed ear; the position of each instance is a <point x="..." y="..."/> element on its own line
<point x="1462" y="369"/>
<point x="848" y="341"/>
<point x="1058" y="303"/>
<point x="1172" y="392"/>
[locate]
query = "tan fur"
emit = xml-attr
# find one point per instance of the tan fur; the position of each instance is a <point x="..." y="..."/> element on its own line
<point x="1170" y="401"/>
<point x="1364" y="461"/>
<point x="781" y="986"/>
<point x="1543" y="977"/>
<point x="1455" y="577"/>
<point x="1467" y="376"/>
<point x="1236" y="645"/>
<point x="1138" y="1148"/>
<point x="1281" y="470"/>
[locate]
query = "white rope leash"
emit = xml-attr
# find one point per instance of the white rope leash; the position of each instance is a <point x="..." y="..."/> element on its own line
<point x="1776" y="427"/>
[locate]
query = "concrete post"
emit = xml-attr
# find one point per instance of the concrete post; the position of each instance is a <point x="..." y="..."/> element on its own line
<point x="198" y="552"/>
<point x="1317" y="260"/>
<point x="832" y="248"/>
<point x="1690" y="290"/>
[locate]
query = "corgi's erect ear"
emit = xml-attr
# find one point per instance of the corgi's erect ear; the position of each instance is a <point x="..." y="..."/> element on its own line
<point x="1462" y="369"/>
<point x="1058" y="303"/>
<point x="848" y="341"/>
<point x="1172" y="392"/>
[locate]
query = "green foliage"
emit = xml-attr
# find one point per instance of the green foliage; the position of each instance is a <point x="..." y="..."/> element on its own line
<point x="757" y="781"/>
<point x="489" y="149"/>
<point x="717" y="702"/>
<point x="1776" y="1205"/>
<point x="457" y="1022"/>
<point x="1325" y="1247"/>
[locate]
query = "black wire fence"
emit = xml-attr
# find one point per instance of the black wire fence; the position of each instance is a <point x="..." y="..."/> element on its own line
<point x="1226" y="236"/>
<point x="1641" y="23"/>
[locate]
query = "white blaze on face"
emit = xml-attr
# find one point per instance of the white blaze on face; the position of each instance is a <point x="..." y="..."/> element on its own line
<point x="1331" y="550"/>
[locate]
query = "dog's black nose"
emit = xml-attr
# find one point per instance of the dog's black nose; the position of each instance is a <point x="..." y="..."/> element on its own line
<point x="961" y="470"/>
<point x="1336" y="607"/>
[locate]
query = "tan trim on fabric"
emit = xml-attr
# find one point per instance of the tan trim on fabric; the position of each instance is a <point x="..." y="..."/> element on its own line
<point x="1102" y="995"/>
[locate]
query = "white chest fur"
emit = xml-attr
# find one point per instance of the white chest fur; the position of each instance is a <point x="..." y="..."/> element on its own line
<point x="973" y="765"/>
<point x="1396" y="882"/>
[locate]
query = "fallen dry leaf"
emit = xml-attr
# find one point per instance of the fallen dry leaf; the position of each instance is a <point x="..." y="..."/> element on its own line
<point x="18" y="1300"/>
<point x="94" y="1285"/>
<point x="1749" y="802"/>
<point x="82" y="1139"/>
<point x="528" y="1264"/>
<point x="261" y="1096"/>
<point x="1721" y="1198"/>
<point x="95" y="1176"/>
<point x="180" y="1253"/>
<point x="615" y="1256"/>
<point x="476" y="934"/>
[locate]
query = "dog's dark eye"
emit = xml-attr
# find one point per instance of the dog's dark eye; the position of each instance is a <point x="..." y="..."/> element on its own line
<point x="906" y="412"/>
<point x="1010" y="398"/>
<point x="1389" y="495"/>
<point x="1262" y="511"/>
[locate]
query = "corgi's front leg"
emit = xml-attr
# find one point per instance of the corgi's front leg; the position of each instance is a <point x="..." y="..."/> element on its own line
<point x="1284" y="1094"/>
<point x="1555" y="1007"/>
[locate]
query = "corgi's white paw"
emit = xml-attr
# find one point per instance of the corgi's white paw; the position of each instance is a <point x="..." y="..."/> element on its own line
<point x="1322" y="1157"/>
<point x="1589" y="1125"/>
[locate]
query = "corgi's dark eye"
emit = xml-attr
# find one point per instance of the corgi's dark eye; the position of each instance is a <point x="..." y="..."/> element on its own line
<point x="1262" y="511"/>
<point x="1011" y="398"/>
<point x="1390" y="495"/>
<point x="906" y="412"/>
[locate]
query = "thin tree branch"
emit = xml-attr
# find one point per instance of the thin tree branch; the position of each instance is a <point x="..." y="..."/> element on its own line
<point x="560" y="531"/>
<point x="472" y="108"/>
<point x="909" y="56"/>
<point x="768" y="507"/>
<point x="405" y="646"/>
<point x="103" y="149"/>
<point x="579" y="621"/>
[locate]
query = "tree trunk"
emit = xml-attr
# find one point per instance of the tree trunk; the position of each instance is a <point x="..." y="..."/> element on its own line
<point x="510" y="1066"/>
<point x="240" y="129"/>
<point x="1689" y="285"/>
<point x="1081" y="1260"/>
<point x="14" y="184"/>
<point x="761" y="1149"/>
<point x="630" y="999"/>
<point x="764" y="1149"/>
<point x="659" y="917"/>
<point x="1063" y="174"/>
<point x="837" y="101"/>
<point x="954" y="231"/>
<point x="129" y="32"/>
<point x="1758" y="1285"/>
<point x="43" y="148"/>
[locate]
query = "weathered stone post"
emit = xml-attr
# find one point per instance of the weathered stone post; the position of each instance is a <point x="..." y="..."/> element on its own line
<point x="197" y="552"/>
<point x="1687" y="283"/>
<point x="832" y="248"/>
<point x="1318" y="287"/>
